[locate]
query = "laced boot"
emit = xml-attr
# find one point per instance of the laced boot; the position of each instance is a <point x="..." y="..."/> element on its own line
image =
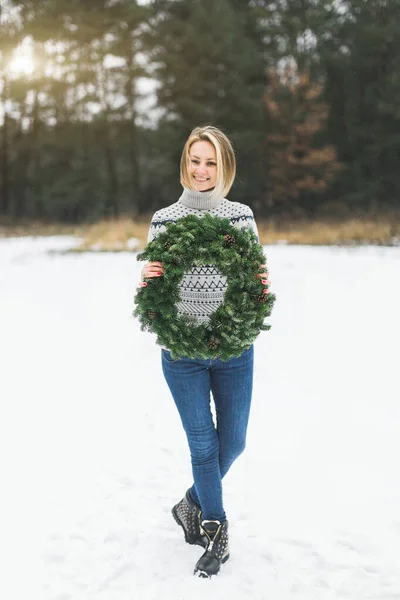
<point x="217" y="548"/>
<point x="188" y="515"/>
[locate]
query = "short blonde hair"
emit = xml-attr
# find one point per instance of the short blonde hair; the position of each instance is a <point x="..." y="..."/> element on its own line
<point x="226" y="163"/>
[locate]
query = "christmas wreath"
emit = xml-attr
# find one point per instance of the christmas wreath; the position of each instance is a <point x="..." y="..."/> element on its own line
<point x="234" y="325"/>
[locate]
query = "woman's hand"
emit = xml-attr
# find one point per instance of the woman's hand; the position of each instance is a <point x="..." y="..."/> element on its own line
<point x="151" y="269"/>
<point x="264" y="278"/>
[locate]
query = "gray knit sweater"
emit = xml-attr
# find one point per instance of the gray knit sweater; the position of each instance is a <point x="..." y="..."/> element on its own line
<point x="202" y="288"/>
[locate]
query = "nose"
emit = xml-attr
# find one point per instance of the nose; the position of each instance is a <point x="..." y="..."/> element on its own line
<point x="201" y="169"/>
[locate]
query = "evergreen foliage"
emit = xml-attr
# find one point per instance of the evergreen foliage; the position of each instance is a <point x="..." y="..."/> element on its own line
<point x="361" y="60"/>
<point x="74" y="148"/>
<point x="208" y="58"/>
<point x="300" y="168"/>
<point x="237" y="322"/>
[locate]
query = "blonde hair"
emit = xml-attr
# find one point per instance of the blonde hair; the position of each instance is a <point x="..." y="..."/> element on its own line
<point x="226" y="163"/>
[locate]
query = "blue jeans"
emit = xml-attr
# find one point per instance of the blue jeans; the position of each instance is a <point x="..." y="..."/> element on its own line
<point x="213" y="449"/>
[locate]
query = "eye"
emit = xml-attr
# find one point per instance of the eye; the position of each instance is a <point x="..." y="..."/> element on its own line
<point x="196" y="162"/>
<point x="211" y="164"/>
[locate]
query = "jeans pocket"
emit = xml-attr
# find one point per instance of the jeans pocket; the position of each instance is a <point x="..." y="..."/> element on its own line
<point x="166" y="354"/>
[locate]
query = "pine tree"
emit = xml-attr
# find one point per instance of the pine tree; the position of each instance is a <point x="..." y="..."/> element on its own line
<point x="78" y="166"/>
<point x="361" y="59"/>
<point x="299" y="167"/>
<point x="209" y="62"/>
<point x="9" y="39"/>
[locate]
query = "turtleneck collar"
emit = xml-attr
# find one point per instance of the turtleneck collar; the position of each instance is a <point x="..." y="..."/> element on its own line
<point x="200" y="200"/>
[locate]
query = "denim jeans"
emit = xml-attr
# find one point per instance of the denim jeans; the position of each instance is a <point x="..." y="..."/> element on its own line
<point x="213" y="447"/>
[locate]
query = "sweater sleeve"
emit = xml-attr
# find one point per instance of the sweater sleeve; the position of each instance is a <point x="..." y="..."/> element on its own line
<point x="253" y="224"/>
<point x="152" y="234"/>
<point x="243" y="217"/>
<point x="158" y="222"/>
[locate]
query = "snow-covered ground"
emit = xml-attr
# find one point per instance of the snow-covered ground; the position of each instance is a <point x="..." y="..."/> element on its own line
<point x="94" y="456"/>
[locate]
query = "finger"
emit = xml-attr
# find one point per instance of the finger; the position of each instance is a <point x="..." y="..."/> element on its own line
<point x="152" y="271"/>
<point x="152" y="267"/>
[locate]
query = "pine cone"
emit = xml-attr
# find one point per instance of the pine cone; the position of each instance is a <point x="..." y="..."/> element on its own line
<point x="262" y="298"/>
<point x="212" y="344"/>
<point x="151" y="314"/>
<point x="229" y="240"/>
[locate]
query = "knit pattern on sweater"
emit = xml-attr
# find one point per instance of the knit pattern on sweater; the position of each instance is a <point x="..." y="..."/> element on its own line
<point x="201" y="289"/>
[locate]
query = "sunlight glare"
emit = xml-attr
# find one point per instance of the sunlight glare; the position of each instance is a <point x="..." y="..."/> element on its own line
<point x="22" y="62"/>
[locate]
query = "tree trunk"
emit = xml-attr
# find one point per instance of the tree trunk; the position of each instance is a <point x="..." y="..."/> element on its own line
<point x="111" y="208"/>
<point x="112" y="203"/>
<point x="135" y="193"/>
<point x="5" y="174"/>
<point x="36" y="180"/>
<point x="5" y="199"/>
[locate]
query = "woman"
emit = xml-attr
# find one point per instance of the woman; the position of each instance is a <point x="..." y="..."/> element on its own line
<point x="207" y="173"/>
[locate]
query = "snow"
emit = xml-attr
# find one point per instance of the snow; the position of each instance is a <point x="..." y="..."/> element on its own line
<point x="94" y="456"/>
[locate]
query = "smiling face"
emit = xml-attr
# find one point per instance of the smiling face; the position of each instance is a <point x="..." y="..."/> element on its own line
<point x="208" y="161"/>
<point x="202" y="165"/>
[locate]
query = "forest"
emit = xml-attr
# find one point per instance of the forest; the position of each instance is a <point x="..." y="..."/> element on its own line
<point x="97" y="98"/>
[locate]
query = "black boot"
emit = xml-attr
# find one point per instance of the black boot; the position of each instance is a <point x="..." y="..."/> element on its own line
<point x="217" y="549"/>
<point x="188" y="515"/>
